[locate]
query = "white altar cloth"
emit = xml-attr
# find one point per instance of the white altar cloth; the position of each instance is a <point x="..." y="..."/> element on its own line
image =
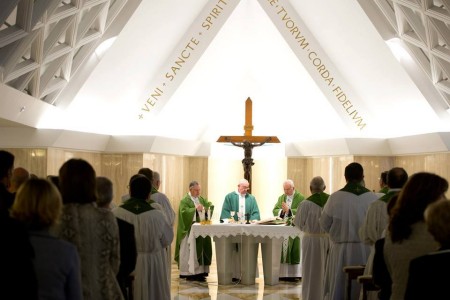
<point x="249" y="235"/>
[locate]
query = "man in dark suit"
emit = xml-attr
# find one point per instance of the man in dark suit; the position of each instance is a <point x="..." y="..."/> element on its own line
<point x="128" y="251"/>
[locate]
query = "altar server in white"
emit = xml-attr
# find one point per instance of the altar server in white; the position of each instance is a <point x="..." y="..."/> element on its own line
<point x="153" y="234"/>
<point x="342" y="217"/>
<point x="315" y="241"/>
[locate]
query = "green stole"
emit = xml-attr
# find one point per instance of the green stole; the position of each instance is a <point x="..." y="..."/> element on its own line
<point x="388" y="196"/>
<point x="319" y="198"/>
<point x="153" y="191"/>
<point x="137" y="206"/>
<point x="355" y="188"/>
<point x="384" y="190"/>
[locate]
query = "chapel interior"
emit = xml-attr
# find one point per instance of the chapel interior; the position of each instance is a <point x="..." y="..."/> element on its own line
<point x="126" y="84"/>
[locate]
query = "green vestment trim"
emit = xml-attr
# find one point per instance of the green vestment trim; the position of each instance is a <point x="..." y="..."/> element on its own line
<point x="319" y="198"/>
<point x="388" y="196"/>
<point x="293" y="252"/>
<point x="153" y="191"/>
<point x="137" y="206"/>
<point x="384" y="190"/>
<point x="186" y="214"/>
<point x="355" y="188"/>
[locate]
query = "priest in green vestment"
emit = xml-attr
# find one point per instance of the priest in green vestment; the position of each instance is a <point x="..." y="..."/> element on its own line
<point x="193" y="208"/>
<point x="240" y="203"/>
<point x="286" y="207"/>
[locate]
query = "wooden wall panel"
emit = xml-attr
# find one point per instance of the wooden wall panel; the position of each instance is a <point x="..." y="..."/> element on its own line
<point x="332" y="169"/>
<point x="171" y="169"/>
<point x="297" y="170"/>
<point x="198" y="170"/>
<point x="56" y="157"/>
<point x="94" y="158"/>
<point x="438" y="163"/>
<point x="32" y="159"/>
<point x="373" y="167"/>
<point x="318" y="166"/>
<point x="119" y="168"/>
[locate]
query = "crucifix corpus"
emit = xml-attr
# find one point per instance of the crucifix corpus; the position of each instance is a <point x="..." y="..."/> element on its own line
<point x="248" y="142"/>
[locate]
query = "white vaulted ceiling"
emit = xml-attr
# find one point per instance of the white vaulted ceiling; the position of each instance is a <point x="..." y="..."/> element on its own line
<point x="85" y="68"/>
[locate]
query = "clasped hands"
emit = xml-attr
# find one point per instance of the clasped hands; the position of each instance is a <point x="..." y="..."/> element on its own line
<point x="285" y="207"/>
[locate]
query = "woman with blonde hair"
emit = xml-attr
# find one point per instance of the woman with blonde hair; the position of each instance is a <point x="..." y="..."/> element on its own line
<point x="38" y="206"/>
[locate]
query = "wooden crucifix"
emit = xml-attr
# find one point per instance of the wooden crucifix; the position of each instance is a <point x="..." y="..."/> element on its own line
<point x="248" y="142"/>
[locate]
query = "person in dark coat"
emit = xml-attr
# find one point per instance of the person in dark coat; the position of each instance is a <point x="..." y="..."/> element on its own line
<point x="428" y="274"/>
<point x="128" y="252"/>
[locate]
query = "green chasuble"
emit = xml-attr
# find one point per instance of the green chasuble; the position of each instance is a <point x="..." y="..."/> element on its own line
<point x="186" y="214"/>
<point x="298" y="197"/>
<point x="231" y="203"/>
<point x="293" y="251"/>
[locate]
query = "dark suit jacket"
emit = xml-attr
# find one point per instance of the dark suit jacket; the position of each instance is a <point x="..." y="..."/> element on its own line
<point x="380" y="273"/>
<point x="429" y="276"/>
<point x="128" y="251"/>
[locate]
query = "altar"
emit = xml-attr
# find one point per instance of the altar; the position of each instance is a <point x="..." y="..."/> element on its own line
<point x="249" y="236"/>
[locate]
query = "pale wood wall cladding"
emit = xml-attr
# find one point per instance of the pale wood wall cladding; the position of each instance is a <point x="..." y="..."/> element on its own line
<point x="176" y="171"/>
<point x="302" y="170"/>
<point x="438" y="163"/>
<point x="32" y="159"/>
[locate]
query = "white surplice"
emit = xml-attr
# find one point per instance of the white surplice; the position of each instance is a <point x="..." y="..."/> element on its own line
<point x="373" y="228"/>
<point x="162" y="200"/>
<point x="153" y="234"/>
<point x="314" y="248"/>
<point x="342" y="216"/>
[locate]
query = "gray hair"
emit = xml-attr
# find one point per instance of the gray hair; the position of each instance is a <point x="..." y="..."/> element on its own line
<point x="243" y="180"/>
<point x="156" y="177"/>
<point x="193" y="183"/>
<point x="290" y="182"/>
<point x="317" y="184"/>
<point x="104" y="191"/>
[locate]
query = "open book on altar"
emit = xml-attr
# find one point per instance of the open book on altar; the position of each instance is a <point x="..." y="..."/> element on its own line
<point x="272" y="221"/>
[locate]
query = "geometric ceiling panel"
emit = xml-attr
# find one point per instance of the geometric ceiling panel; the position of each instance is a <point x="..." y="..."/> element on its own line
<point x="40" y="38"/>
<point x="424" y="27"/>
